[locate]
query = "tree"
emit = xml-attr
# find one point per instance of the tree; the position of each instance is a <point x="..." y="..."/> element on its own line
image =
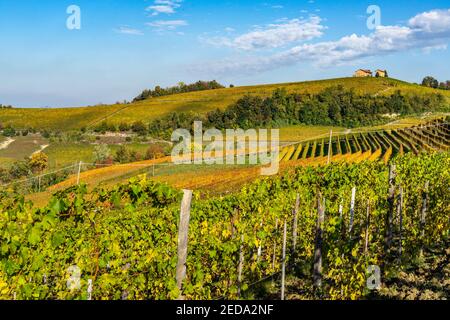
<point x="102" y="127"/>
<point x="9" y="132"/>
<point x="154" y="151"/>
<point x="19" y="169"/>
<point x="122" y="155"/>
<point x="123" y="127"/>
<point x="139" y="128"/>
<point x="38" y="162"/>
<point x="102" y="153"/>
<point x="430" y="82"/>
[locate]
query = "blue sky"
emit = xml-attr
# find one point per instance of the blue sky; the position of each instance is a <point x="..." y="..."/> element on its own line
<point x="126" y="46"/>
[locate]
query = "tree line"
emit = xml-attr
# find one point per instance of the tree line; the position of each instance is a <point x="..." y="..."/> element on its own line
<point x="431" y="82"/>
<point x="180" y="88"/>
<point x="333" y="106"/>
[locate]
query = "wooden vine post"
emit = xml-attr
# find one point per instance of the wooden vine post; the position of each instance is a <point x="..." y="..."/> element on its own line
<point x="317" y="272"/>
<point x="423" y="215"/>
<point x="295" y="225"/>
<point x="400" y="222"/>
<point x="241" y="265"/>
<point x="391" y="201"/>
<point x="283" y="267"/>
<point x="330" y="146"/>
<point x="366" y="245"/>
<point x="274" y="247"/>
<point x="352" y="210"/>
<point x="183" y="231"/>
<point x="79" y="172"/>
<point x="89" y="290"/>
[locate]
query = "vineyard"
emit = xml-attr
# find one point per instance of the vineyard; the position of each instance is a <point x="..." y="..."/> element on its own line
<point x="324" y="225"/>
<point x="378" y="145"/>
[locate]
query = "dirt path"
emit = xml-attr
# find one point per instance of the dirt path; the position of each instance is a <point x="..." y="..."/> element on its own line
<point x="382" y="91"/>
<point x="42" y="148"/>
<point x="5" y="144"/>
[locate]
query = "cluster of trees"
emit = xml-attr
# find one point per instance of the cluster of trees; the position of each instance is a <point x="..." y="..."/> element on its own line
<point x="180" y="88"/>
<point x="33" y="165"/>
<point x="104" y="156"/>
<point x="10" y="131"/>
<point x="137" y="127"/>
<point x="333" y="106"/>
<point x="5" y="106"/>
<point x="434" y="83"/>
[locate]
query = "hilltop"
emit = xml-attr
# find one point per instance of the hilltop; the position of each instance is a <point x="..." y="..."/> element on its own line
<point x="64" y="119"/>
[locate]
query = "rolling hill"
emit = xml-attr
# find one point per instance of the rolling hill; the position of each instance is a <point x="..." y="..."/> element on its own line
<point x="64" y="119"/>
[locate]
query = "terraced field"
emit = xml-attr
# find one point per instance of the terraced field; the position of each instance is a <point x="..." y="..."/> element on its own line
<point x="372" y="145"/>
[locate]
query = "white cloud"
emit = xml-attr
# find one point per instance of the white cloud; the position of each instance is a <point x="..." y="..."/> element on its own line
<point x="167" y="24"/>
<point x="435" y="21"/>
<point x="128" y="30"/>
<point x="161" y="9"/>
<point x="164" y="6"/>
<point x="273" y="35"/>
<point x="426" y="31"/>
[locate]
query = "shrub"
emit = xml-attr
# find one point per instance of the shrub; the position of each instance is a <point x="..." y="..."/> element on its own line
<point x="123" y="127"/>
<point x="9" y="132"/>
<point x="38" y="162"/>
<point x="139" y="128"/>
<point x="154" y="151"/>
<point x="122" y="155"/>
<point x="101" y="153"/>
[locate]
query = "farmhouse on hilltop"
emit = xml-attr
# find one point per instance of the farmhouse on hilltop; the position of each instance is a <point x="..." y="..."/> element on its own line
<point x="381" y="73"/>
<point x="361" y="73"/>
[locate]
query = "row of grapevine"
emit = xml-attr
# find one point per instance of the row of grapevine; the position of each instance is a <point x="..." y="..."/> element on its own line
<point x="433" y="136"/>
<point x="123" y="241"/>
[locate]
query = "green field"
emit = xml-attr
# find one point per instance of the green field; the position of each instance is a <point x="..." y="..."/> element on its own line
<point x="66" y="154"/>
<point x="64" y="119"/>
<point x="21" y="147"/>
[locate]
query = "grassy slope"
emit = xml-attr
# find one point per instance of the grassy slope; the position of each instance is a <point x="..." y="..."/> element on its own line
<point x="66" y="154"/>
<point x="22" y="147"/>
<point x="201" y="102"/>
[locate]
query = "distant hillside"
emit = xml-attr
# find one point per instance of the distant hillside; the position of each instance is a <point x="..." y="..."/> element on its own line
<point x="64" y="119"/>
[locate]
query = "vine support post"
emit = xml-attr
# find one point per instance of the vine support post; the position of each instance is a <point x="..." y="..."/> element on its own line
<point x="391" y="200"/>
<point x="79" y="172"/>
<point x="317" y="272"/>
<point x="283" y="267"/>
<point x="241" y="265"/>
<point x="259" y="253"/>
<point x="39" y="183"/>
<point x="400" y="222"/>
<point x="274" y="247"/>
<point x="330" y="147"/>
<point x="352" y="210"/>
<point x="183" y="231"/>
<point x="423" y="215"/>
<point x="89" y="290"/>
<point x="295" y="225"/>
<point x="366" y="245"/>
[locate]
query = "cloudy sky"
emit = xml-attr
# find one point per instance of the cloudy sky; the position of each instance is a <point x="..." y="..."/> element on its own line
<point x="124" y="46"/>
